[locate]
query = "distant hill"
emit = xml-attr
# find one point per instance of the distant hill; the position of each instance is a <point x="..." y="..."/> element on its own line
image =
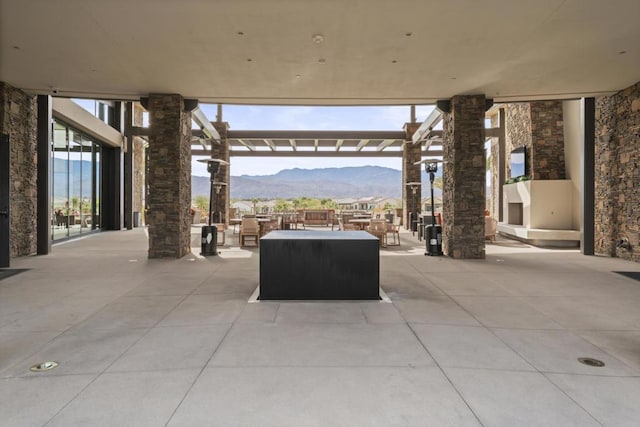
<point x="360" y="181"/>
<point x="336" y="183"/>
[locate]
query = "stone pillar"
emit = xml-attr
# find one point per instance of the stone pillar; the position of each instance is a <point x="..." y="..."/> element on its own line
<point x="464" y="178"/>
<point x="18" y="119"/>
<point x="411" y="154"/>
<point x="606" y="174"/>
<point x="221" y="152"/>
<point x="169" y="217"/>
<point x="617" y="174"/>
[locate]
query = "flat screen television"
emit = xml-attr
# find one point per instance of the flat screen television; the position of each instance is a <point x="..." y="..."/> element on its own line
<point x="518" y="162"/>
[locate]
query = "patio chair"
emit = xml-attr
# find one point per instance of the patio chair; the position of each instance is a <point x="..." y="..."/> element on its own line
<point x="393" y="229"/>
<point x="62" y="220"/>
<point x="345" y="227"/>
<point x="250" y="228"/>
<point x="221" y="231"/>
<point x="345" y="218"/>
<point x="197" y="216"/>
<point x="269" y="226"/>
<point x="490" y="225"/>
<point x="378" y="228"/>
<point x="289" y="221"/>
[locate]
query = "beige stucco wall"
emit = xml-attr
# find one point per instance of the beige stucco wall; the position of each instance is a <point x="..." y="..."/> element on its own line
<point x="571" y="111"/>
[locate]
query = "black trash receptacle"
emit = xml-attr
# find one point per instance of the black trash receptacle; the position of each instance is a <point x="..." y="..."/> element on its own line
<point x="433" y="234"/>
<point x="209" y="246"/>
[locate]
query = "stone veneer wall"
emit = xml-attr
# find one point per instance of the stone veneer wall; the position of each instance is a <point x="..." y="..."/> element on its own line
<point x="538" y="126"/>
<point x="464" y="178"/>
<point x="139" y="161"/>
<point x="518" y="132"/>
<point x="411" y="153"/>
<point x="221" y="151"/>
<point x="494" y="165"/>
<point x="169" y="217"/>
<point x="547" y="135"/>
<point x="617" y="174"/>
<point x="18" y="119"/>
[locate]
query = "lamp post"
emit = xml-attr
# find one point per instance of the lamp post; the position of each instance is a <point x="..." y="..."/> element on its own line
<point x="433" y="232"/>
<point x="431" y="169"/>
<point x="210" y="232"/>
<point x="413" y="216"/>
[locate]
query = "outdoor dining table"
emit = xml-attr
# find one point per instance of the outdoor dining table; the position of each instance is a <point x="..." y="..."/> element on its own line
<point x="361" y="223"/>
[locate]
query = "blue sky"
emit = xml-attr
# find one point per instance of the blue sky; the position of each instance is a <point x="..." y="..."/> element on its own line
<point x="253" y="117"/>
<point x="247" y="117"/>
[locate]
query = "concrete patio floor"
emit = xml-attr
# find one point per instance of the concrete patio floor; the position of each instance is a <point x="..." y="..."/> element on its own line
<point x="171" y="342"/>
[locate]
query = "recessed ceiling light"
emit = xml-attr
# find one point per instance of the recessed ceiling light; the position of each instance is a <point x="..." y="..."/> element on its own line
<point x="393" y="61"/>
<point x="249" y="59"/>
<point x="322" y="61"/>
<point x="298" y="76"/>
<point x="240" y="33"/>
<point x="317" y="38"/>
<point x="409" y="34"/>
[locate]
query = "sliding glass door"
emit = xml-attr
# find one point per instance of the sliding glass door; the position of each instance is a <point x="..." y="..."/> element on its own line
<point x="75" y="183"/>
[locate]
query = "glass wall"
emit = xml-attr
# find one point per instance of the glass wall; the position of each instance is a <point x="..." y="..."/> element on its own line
<point x="75" y="183"/>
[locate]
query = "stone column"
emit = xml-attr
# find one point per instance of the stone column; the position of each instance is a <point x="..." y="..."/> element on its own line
<point x="411" y="154"/>
<point x="464" y="178"/>
<point x="18" y="119"/>
<point x="221" y="152"/>
<point x="169" y="217"/>
<point x="607" y="173"/>
<point x="617" y="174"/>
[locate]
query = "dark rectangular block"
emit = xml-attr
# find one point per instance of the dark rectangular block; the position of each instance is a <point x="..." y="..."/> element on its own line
<point x="319" y="265"/>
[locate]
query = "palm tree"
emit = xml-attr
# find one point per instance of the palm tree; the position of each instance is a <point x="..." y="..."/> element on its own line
<point x="281" y="205"/>
<point x="254" y="202"/>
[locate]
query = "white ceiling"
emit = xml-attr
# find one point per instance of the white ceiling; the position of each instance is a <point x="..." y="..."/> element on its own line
<point x="375" y="51"/>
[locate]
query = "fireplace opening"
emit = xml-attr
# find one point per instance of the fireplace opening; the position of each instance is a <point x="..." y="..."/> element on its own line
<point x="515" y="214"/>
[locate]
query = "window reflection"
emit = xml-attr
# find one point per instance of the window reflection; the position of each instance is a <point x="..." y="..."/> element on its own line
<point x="75" y="182"/>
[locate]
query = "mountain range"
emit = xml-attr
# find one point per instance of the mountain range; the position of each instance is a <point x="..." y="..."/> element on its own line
<point x="344" y="182"/>
<point x="336" y="183"/>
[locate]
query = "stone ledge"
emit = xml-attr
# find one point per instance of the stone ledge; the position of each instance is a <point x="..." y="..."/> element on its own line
<point x="541" y="236"/>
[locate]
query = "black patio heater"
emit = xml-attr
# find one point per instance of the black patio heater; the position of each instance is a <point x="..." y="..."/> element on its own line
<point x="433" y="232"/>
<point x="209" y="243"/>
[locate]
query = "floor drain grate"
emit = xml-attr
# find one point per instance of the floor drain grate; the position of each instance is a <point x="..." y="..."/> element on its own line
<point x="591" y="362"/>
<point x="44" y="366"/>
